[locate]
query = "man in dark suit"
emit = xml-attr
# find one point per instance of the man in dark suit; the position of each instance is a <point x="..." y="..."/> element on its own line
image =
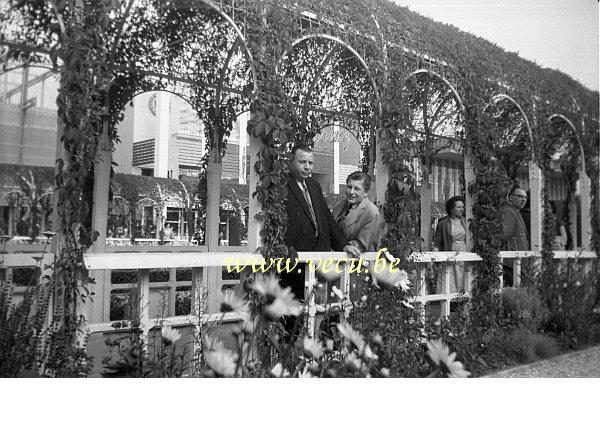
<point x="311" y="227"/>
<point x="514" y="230"/>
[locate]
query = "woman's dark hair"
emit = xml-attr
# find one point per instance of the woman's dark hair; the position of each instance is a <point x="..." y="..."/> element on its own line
<point x="360" y="176"/>
<point x="452" y="202"/>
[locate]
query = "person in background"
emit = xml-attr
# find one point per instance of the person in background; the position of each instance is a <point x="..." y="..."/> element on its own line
<point x="560" y="233"/>
<point x="514" y="231"/>
<point x="22" y="227"/>
<point x="359" y="220"/>
<point x="451" y="235"/>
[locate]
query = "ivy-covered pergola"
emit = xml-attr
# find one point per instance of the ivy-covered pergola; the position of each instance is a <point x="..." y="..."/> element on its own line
<point x="408" y="88"/>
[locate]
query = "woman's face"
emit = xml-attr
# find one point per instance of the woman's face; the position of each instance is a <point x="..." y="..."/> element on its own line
<point x="355" y="192"/>
<point x="458" y="209"/>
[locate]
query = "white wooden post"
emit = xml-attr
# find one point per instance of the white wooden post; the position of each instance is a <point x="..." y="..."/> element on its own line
<point x="345" y="288"/>
<point x="517" y="272"/>
<point x="310" y="281"/>
<point x="573" y="217"/>
<point x="336" y="163"/>
<point x="143" y="309"/>
<point x="426" y="210"/>
<point x="254" y="226"/>
<point x="536" y="183"/>
<point x="198" y="303"/>
<point x="93" y="310"/>
<point x="586" y="211"/>
<point x="213" y="181"/>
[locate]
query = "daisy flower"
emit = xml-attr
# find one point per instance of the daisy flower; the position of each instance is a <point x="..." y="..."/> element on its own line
<point x="231" y="302"/>
<point x="367" y="353"/>
<point x="284" y="304"/>
<point x="440" y="354"/>
<point x="169" y="335"/>
<point x="351" y="336"/>
<point x="279" y="371"/>
<point x="267" y="286"/>
<point x="353" y="361"/>
<point x="220" y="360"/>
<point x="305" y="373"/>
<point x="313" y="348"/>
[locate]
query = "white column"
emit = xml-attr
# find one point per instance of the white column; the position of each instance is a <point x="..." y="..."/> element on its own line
<point x="213" y="182"/>
<point x="536" y="183"/>
<point x="426" y="209"/>
<point x="586" y="211"/>
<point x="162" y="135"/>
<point x="93" y="310"/>
<point x="254" y="227"/>
<point x="243" y="121"/>
<point x="573" y="218"/>
<point x="336" y="165"/>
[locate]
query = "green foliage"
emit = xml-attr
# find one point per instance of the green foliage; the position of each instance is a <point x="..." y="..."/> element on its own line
<point x="522" y="307"/>
<point x="527" y="346"/>
<point x="21" y="329"/>
<point x="572" y="296"/>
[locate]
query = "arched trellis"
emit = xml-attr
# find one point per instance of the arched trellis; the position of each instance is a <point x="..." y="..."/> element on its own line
<point x="210" y="91"/>
<point x="582" y="238"/>
<point x="452" y="94"/>
<point x="338" y="48"/>
<point x="434" y="139"/>
<point x="499" y="97"/>
<point x="558" y="117"/>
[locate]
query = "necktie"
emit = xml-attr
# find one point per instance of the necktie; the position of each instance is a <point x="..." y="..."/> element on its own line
<point x="310" y="206"/>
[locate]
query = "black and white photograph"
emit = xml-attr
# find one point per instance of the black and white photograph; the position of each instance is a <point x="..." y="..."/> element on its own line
<point x="324" y="189"/>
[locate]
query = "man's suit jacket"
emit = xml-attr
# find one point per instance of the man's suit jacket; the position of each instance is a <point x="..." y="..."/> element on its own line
<point x="363" y="223"/>
<point x="514" y="231"/>
<point x="301" y="230"/>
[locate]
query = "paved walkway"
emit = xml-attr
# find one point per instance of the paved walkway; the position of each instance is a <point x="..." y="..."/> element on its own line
<point x="584" y="363"/>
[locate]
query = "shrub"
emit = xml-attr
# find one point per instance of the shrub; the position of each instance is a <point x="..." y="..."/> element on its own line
<point x="522" y="307"/>
<point x="527" y="346"/>
<point x="571" y="293"/>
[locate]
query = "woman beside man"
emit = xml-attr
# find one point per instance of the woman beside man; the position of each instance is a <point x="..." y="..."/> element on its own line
<point x="359" y="220"/>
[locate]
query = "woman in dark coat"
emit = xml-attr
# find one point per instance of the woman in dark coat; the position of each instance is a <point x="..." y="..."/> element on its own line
<point x="451" y="235"/>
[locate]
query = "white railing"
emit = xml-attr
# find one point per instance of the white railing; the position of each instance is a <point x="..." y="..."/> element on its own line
<point x="198" y="261"/>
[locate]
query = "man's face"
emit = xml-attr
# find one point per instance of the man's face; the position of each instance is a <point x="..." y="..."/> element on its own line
<point x="301" y="165"/>
<point x="518" y="198"/>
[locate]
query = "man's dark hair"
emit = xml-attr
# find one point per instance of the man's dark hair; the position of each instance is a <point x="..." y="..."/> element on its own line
<point x="301" y="147"/>
<point x="513" y="189"/>
<point x="365" y="178"/>
<point x="452" y="202"/>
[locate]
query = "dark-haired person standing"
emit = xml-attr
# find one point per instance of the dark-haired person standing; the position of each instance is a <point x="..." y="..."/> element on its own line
<point x="311" y="227"/>
<point x="451" y="235"/>
<point x="514" y="231"/>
